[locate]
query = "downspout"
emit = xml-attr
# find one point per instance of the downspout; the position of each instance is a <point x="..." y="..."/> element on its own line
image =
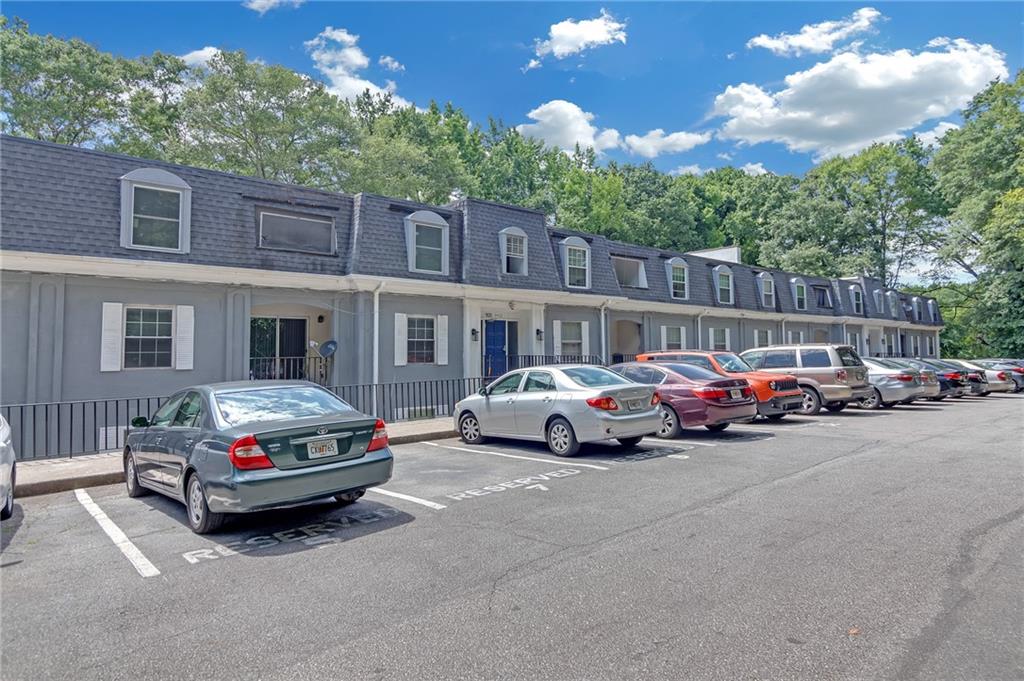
<point x="604" y="331"/>
<point x="376" y="342"/>
<point x="700" y="330"/>
<point x="783" y="341"/>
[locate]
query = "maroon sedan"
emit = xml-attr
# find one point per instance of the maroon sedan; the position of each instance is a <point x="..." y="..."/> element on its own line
<point x="693" y="396"/>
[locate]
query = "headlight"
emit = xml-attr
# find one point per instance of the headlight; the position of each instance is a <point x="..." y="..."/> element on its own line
<point x="773" y="385"/>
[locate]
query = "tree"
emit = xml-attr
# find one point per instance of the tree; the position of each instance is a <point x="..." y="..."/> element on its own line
<point x="150" y="120"/>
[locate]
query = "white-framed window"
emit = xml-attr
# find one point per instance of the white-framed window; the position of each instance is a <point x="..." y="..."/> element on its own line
<point x="823" y="297"/>
<point x="930" y="345"/>
<point x="799" y="293"/>
<point x="513" y="245"/>
<point x="933" y="311"/>
<point x="719" y="339"/>
<point x="894" y="304"/>
<point x="576" y="259"/>
<point x="916" y="305"/>
<point x="287" y="231"/>
<point x="630" y="272"/>
<point x="879" y="306"/>
<point x="853" y="338"/>
<point x="767" y="284"/>
<point x="762" y="338"/>
<point x="148" y="337"/>
<point x="678" y="278"/>
<point x="156" y="211"/>
<point x="795" y="337"/>
<point x="426" y="242"/>
<point x="421" y="339"/>
<point x="723" y="284"/>
<point x="915" y="345"/>
<point x="571" y="338"/>
<point x="857" y="296"/>
<point x="673" y="337"/>
<point x="143" y="336"/>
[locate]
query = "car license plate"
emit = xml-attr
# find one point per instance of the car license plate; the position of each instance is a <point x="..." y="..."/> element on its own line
<point x="634" y="404"/>
<point x="736" y="394"/>
<point x="319" y="449"/>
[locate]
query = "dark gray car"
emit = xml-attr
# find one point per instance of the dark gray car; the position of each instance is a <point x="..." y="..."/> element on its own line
<point x="249" y="446"/>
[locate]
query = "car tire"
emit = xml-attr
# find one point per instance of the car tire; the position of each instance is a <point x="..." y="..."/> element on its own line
<point x="936" y="399"/>
<point x="131" y="476"/>
<point x="836" y="407"/>
<point x="888" y="405"/>
<point x="985" y="394"/>
<point x="775" y="417"/>
<point x="630" y="442"/>
<point x="812" y="402"/>
<point x="561" y="438"/>
<point x="670" y="426"/>
<point x="873" y="402"/>
<point x="469" y="429"/>
<point x="8" y="510"/>
<point x="200" y="518"/>
<point x="349" y="498"/>
<point x="717" y="427"/>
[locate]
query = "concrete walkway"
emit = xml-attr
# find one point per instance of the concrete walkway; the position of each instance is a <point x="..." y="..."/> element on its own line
<point x="44" y="476"/>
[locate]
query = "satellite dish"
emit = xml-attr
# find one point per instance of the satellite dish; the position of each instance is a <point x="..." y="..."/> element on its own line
<point x="328" y="349"/>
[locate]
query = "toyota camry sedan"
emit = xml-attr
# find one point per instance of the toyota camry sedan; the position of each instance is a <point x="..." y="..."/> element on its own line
<point x="564" y="406"/>
<point x="254" y="445"/>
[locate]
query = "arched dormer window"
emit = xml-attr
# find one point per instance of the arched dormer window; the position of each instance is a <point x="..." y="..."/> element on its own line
<point x="723" y="285"/>
<point x="513" y="245"/>
<point x="156" y="211"/>
<point x="894" y="304"/>
<point x="426" y="242"/>
<point x="576" y="262"/>
<point x="879" y="304"/>
<point x="799" y="293"/>
<point x="933" y="311"/>
<point x="857" y="297"/>
<point x="678" y="273"/>
<point x="766" y="286"/>
<point x="916" y="303"/>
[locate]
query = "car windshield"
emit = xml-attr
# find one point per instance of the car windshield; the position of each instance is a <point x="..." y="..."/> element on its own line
<point x="849" y="357"/>
<point x="693" y="372"/>
<point x="730" y="362"/>
<point x="594" y="377"/>
<point x="271" y="404"/>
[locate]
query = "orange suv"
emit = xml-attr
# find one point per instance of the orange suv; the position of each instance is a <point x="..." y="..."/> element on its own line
<point x="777" y="394"/>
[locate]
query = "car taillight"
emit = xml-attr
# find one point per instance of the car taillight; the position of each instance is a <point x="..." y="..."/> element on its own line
<point x="710" y="393"/>
<point x="906" y="378"/>
<point x="1018" y="370"/>
<point x="841" y="374"/>
<point x="655" y="399"/>
<point x="606" y="403"/>
<point x="246" y="454"/>
<point x="954" y="376"/>
<point x="748" y="391"/>
<point x="1001" y="375"/>
<point x="380" y="437"/>
<point x="973" y="377"/>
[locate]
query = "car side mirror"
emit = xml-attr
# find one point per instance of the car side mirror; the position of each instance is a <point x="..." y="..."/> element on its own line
<point x="483" y="392"/>
<point x="140" y="422"/>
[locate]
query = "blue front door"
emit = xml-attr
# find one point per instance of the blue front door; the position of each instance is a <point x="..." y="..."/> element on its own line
<point x="495" y="344"/>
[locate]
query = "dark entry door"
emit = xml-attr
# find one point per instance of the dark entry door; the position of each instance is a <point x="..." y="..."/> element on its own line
<point x="292" y="348"/>
<point x="495" y="343"/>
<point x="277" y="347"/>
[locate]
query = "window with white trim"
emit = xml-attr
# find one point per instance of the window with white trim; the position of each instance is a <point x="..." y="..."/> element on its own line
<point x="933" y="311"/>
<point x="513" y="245"/>
<point x="795" y="337"/>
<point x="572" y="339"/>
<point x="718" y="339"/>
<point x="673" y="338"/>
<point x="916" y="303"/>
<point x="420" y="340"/>
<point x="857" y="296"/>
<point x="822" y="297"/>
<point x="915" y="345"/>
<point x="629" y="272"/>
<point x="148" y="337"/>
<point x="879" y="307"/>
<point x="723" y="285"/>
<point x="426" y="240"/>
<point x="800" y="294"/>
<point x="143" y="336"/>
<point x="767" y="285"/>
<point x="576" y="259"/>
<point x="762" y="338"/>
<point x="853" y="338"/>
<point x="156" y="209"/>
<point x="678" y="278"/>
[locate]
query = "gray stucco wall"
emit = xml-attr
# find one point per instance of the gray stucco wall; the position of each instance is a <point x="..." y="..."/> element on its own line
<point x="419" y="305"/>
<point x="572" y="314"/>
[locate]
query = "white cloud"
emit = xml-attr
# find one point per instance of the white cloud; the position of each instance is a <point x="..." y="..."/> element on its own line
<point x="264" y="6"/>
<point x="754" y="169"/>
<point x="563" y="125"/>
<point x="656" y="142"/>
<point x="930" y="138"/>
<point x="817" y="38"/>
<point x="730" y="56"/>
<point x="688" y="170"/>
<point x="724" y="156"/>
<point x="200" y="57"/>
<point x="844" y="104"/>
<point x="391" y="64"/>
<point x="337" y="55"/>
<point x="570" y="37"/>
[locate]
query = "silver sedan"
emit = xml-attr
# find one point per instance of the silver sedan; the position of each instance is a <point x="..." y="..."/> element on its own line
<point x="7" y="473"/>
<point x="563" y="405"/>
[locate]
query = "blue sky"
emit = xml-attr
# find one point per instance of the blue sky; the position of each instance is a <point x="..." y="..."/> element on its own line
<point x="822" y="78"/>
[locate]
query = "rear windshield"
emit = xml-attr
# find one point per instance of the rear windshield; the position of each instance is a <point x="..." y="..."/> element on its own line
<point x="889" y="364"/>
<point x="693" y="372"/>
<point x="849" y="357"/>
<point x="594" y="377"/>
<point x="731" y="362"/>
<point x="271" y="404"/>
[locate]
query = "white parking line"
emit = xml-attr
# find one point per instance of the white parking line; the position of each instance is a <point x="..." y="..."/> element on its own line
<point x="415" y="500"/>
<point x="681" y="457"/>
<point x="515" y="456"/>
<point x="661" y="443"/>
<point x="120" y="539"/>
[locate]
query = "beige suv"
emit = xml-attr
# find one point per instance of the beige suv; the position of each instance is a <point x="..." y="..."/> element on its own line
<point x="830" y="376"/>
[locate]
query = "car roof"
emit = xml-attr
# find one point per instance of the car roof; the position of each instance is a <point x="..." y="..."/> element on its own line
<point x="238" y="386"/>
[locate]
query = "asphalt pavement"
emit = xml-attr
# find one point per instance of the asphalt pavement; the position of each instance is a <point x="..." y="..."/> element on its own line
<point x="858" y="545"/>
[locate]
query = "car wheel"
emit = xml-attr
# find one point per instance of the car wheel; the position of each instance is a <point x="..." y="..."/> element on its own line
<point x="718" y="427"/>
<point x="936" y="399"/>
<point x="670" y="426"/>
<point x="349" y="498"/>
<point x="775" y="417"/>
<point x="873" y="402"/>
<point x="630" y="442"/>
<point x="561" y="438"/>
<point x="200" y="518"/>
<point x="8" y="510"/>
<point x="469" y="430"/>
<point x="888" y="405"/>
<point x="131" y="476"/>
<point x="836" y="407"/>
<point x="811" y="404"/>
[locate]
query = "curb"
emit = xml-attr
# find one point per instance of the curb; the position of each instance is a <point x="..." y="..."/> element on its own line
<point x="32" y="489"/>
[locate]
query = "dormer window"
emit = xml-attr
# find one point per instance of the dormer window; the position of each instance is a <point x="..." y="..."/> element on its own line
<point x="823" y="297"/>
<point x="576" y="259"/>
<point x="799" y="294"/>
<point x="723" y="284"/>
<point x="629" y="272"/>
<point x="513" y="251"/>
<point x="156" y="209"/>
<point x="678" y="278"/>
<point x="426" y="241"/>
<point x="767" y="285"/>
<point x="894" y="304"/>
<point x="877" y="294"/>
<point x="857" y="296"/>
<point x="917" y="308"/>
<point x="933" y="312"/>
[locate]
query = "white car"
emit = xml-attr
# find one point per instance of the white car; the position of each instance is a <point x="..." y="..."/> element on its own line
<point x="998" y="381"/>
<point x="7" y="472"/>
<point x="562" y="405"/>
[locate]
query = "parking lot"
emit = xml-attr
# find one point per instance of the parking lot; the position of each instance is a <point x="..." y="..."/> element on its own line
<point x="857" y="545"/>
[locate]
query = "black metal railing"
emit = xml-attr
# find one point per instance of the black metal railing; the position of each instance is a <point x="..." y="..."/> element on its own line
<point x="410" y="400"/>
<point x="619" y="357"/>
<point x="315" y="369"/>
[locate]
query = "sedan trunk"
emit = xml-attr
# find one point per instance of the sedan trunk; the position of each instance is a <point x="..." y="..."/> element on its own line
<point x="315" y="441"/>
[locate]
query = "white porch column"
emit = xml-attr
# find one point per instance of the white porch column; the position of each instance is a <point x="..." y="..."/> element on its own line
<point x="472" y="316"/>
<point x="536" y="322"/>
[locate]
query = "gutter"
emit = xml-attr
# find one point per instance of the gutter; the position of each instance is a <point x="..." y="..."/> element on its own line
<point x="604" y="330"/>
<point x="376" y="336"/>
<point x="700" y="331"/>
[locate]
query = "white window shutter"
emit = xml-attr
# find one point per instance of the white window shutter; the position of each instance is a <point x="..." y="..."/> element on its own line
<point x="441" y="340"/>
<point x="728" y="344"/>
<point x="184" y="333"/>
<point x="664" y="338"/>
<point x="711" y="338"/>
<point x="586" y="338"/>
<point x="682" y="337"/>
<point x="112" y="338"/>
<point x="401" y="339"/>
<point x="556" y="337"/>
